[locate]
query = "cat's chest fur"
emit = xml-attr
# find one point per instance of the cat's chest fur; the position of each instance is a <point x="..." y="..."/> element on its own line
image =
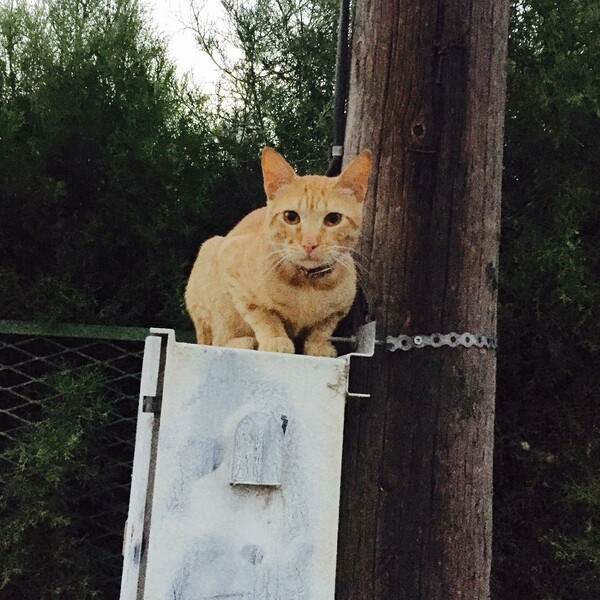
<point x="304" y="302"/>
<point x="300" y="299"/>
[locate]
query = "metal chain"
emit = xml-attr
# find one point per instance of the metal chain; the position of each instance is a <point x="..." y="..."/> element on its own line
<point x="409" y="342"/>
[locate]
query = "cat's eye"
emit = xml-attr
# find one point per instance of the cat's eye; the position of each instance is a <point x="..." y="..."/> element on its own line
<point x="332" y="219"/>
<point x="291" y="217"/>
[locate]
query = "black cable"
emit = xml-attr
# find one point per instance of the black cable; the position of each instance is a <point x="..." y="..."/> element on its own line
<point x="342" y="71"/>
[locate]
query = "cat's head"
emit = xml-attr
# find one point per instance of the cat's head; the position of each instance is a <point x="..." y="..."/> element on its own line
<point x="314" y="220"/>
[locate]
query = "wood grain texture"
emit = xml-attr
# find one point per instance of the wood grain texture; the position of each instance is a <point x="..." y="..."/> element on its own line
<point x="427" y="97"/>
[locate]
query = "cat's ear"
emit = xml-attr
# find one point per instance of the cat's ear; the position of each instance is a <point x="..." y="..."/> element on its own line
<point x="276" y="171"/>
<point x="355" y="176"/>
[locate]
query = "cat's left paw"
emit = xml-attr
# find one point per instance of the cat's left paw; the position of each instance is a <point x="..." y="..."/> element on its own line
<point x="243" y="343"/>
<point x="320" y="348"/>
<point x="277" y="344"/>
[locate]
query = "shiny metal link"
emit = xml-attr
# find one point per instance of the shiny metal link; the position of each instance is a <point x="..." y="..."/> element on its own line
<point x="435" y="340"/>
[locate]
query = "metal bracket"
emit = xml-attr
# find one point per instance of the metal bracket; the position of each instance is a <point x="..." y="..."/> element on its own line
<point x="364" y="339"/>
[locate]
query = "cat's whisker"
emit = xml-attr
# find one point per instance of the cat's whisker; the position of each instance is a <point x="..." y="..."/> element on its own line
<point x="360" y="261"/>
<point x="361" y="280"/>
<point x="342" y="253"/>
<point x="356" y="254"/>
<point x="277" y="255"/>
<point x="344" y="260"/>
<point x="347" y="262"/>
<point x="360" y="258"/>
<point x="274" y="253"/>
<point x="360" y="267"/>
<point x="271" y="259"/>
<point x="283" y="259"/>
<point x="280" y="260"/>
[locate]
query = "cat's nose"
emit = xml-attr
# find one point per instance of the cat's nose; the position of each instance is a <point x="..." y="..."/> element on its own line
<point x="309" y="246"/>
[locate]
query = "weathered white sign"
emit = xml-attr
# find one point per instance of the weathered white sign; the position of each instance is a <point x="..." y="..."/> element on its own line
<point x="236" y="483"/>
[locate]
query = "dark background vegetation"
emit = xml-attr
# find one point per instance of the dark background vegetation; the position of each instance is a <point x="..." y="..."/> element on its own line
<point x="112" y="171"/>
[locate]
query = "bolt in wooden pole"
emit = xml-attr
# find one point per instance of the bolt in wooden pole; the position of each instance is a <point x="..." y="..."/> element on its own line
<point x="427" y="94"/>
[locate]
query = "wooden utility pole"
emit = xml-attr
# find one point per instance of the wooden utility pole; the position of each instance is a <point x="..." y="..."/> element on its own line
<point x="427" y="96"/>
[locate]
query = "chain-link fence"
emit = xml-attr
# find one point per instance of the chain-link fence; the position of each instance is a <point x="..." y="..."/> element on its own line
<point x="32" y="359"/>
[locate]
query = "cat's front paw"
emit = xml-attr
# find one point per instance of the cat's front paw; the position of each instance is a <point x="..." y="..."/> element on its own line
<point x="320" y="348"/>
<point x="243" y="343"/>
<point x="277" y="344"/>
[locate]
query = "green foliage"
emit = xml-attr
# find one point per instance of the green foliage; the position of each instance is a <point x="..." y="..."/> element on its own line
<point x="576" y="544"/>
<point x="106" y="166"/>
<point x="44" y="550"/>
<point x="547" y="543"/>
<point x="279" y="88"/>
<point x="277" y="62"/>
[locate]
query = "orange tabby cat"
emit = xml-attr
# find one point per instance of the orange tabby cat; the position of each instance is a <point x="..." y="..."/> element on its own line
<point x="285" y="270"/>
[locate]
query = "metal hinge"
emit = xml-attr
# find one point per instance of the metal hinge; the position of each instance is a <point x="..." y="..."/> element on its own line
<point x="152" y="404"/>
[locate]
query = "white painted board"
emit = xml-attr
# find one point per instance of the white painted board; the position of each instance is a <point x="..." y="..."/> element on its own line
<point x="132" y="542"/>
<point x="246" y="490"/>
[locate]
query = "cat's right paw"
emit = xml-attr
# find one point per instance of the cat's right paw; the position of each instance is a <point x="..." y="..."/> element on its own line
<point x="277" y="344"/>
<point x="320" y="348"/>
<point x="243" y="343"/>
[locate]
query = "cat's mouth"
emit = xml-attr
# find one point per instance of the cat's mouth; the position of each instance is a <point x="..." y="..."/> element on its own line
<point x="316" y="272"/>
<point x="310" y="262"/>
<point x="313" y="266"/>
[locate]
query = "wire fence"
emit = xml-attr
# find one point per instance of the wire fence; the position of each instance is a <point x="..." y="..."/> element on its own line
<point x="31" y="356"/>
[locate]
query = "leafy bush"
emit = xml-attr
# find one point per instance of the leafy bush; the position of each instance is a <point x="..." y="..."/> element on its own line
<point x="106" y="166"/>
<point x="546" y="537"/>
<point x="277" y="86"/>
<point x="58" y="470"/>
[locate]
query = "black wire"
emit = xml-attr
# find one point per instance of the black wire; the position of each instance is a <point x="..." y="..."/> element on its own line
<point x="342" y="69"/>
